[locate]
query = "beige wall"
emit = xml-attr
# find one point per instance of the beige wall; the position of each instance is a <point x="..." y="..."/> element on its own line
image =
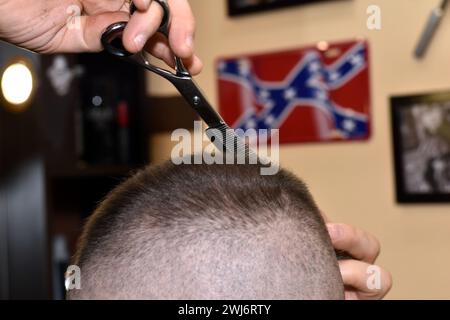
<point x="352" y="182"/>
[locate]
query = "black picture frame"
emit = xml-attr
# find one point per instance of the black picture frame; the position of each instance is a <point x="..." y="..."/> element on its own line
<point x="421" y="142"/>
<point x="242" y="7"/>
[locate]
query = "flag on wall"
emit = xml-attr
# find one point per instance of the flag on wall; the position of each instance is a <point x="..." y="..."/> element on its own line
<point x="312" y="94"/>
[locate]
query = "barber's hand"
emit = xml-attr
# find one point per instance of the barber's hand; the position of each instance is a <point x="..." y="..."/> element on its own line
<point x="364" y="248"/>
<point x="49" y="26"/>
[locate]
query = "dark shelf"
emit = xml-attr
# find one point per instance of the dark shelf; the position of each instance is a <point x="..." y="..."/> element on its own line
<point x="93" y="171"/>
<point x="52" y="172"/>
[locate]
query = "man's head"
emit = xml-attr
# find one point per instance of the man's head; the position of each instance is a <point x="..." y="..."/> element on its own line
<point x="207" y="232"/>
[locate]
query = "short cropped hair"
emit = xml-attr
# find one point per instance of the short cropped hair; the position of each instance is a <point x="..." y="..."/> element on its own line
<point x="207" y="232"/>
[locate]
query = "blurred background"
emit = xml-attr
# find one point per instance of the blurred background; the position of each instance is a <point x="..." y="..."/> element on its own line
<point x="73" y="126"/>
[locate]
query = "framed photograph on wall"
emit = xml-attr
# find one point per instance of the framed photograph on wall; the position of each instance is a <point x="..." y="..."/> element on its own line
<point x="421" y="133"/>
<point x="240" y="7"/>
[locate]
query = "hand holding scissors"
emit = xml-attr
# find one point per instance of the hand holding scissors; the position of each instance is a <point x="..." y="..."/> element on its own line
<point x="51" y="26"/>
<point x="183" y="82"/>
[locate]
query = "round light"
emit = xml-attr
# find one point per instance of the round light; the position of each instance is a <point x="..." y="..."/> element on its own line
<point x="17" y="84"/>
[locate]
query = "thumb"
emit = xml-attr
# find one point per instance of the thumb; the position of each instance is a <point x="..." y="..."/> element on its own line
<point x="83" y="33"/>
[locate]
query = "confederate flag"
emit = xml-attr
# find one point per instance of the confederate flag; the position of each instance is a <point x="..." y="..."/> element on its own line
<point x="310" y="94"/>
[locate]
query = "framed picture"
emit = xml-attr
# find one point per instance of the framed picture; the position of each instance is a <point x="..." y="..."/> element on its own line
<point x="239" y="7"/>
<point x="421" y="132"/>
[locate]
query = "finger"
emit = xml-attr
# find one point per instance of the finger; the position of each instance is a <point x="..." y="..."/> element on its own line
<point x="182" y="29"/>
<point x="83" y="33"/>
<point x="158" y="47"/>
<point x="142" y="5"/>
<point x="359" y="244"/>
<point x="194" y="65"/>
<point x="142" y="26"/>
<point x="364" y="281"/>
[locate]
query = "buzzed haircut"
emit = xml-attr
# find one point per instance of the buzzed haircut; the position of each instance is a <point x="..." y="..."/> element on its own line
<point x="207" y="232"/>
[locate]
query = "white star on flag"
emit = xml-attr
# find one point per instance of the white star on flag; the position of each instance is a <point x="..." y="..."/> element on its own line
<point x="269" y="104"/>
<point x="356" y="60"/>
<point x="314" y="67"/>
<point x="322" y="95"/>
<point x="316" y="82"/>
<point x="334" y="76"/>
<point x="349" y="125"/>
<point x="251" y="124"/>
<point x="222" y="66"/>
<point x="264" y="94"/>
<point x="290" y="94"/>
<point x="269" y="120"/>
<point x="244" y="67"/>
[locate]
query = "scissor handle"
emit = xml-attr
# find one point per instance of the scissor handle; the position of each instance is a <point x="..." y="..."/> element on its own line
<point x="112" y="37"/>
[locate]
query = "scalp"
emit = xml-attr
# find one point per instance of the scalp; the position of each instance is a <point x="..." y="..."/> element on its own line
<point x="207" y="232"/>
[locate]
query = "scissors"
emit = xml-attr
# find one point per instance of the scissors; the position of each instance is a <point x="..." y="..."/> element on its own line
<point x="227" y="140"/>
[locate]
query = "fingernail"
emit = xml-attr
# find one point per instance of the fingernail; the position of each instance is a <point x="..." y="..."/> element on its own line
<point x="334" y="231"/>
<point x="139" y="41"/>
<point x="190" y="41"/>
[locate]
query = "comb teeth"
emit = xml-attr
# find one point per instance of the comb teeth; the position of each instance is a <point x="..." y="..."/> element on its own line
<point x="229" y="142"/>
